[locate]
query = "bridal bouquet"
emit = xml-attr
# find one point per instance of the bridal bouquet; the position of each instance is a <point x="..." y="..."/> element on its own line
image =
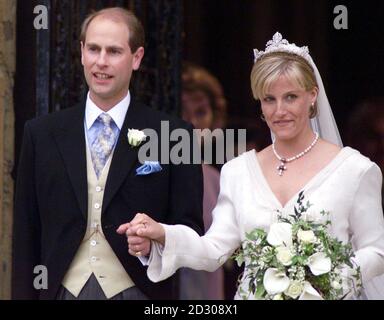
<point x="297" y="259"/>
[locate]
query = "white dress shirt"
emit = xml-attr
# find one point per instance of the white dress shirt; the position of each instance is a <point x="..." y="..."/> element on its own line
<point x="117" y="112"/>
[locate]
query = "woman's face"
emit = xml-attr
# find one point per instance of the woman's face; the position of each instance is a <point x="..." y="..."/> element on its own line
<point x="286" y="108"/>
<point x="197" y="109"/>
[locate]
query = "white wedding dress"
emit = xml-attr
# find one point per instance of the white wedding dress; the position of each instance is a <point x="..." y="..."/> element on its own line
<point x="349" y="187"/>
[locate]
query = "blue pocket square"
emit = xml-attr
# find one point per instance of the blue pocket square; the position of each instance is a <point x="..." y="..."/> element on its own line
<point x="148" y="167"/>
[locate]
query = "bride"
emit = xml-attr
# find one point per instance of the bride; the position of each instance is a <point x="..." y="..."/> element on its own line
<point x="306" y="155"/>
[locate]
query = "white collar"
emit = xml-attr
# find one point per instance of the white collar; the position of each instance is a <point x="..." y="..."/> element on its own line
<point x="117" y="112"/>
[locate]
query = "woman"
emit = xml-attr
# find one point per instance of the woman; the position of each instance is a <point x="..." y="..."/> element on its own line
<point x="255" y="186"/>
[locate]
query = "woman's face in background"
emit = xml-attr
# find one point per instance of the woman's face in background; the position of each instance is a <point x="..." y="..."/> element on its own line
<point x="197" y="109"/>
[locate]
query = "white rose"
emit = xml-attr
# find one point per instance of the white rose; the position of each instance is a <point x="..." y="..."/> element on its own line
<point x="135" y="137"/>
<point x="306" y="236"/>
<point x="295" y="289"/>
<point x="280" y="234"/>
<point x="284" y="255"/>
<point x="275" y="281"/>
<point x="277" y="297"/>
<point x="336" y="284"/>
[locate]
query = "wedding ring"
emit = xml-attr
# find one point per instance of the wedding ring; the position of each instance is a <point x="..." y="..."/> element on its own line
<point x="138" y="253"/>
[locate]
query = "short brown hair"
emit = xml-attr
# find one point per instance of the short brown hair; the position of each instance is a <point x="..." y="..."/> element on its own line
<point x="136" y="30"/>
<point x="196" y="78"/>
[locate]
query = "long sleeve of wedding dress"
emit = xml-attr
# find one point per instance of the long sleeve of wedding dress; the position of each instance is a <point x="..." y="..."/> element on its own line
<point x="184" y="247"/>
<point x="368" y="233"/>
<point x="349" y="188"/>
<point x="366" y="223"/>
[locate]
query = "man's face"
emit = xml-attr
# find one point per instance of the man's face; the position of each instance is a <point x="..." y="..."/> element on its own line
<point x="108" y="61"/>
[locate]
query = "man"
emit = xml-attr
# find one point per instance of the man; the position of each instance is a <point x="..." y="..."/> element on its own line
<point x="77" y="180"/>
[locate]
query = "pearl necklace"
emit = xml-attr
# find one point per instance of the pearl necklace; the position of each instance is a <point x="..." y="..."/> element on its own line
<point x="282" y="167"/>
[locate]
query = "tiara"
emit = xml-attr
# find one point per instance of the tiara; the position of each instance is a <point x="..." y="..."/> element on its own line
<point x="278" y="44"/>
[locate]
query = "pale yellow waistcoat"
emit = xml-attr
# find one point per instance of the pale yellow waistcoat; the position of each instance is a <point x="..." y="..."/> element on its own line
<point x="95" y="254"/>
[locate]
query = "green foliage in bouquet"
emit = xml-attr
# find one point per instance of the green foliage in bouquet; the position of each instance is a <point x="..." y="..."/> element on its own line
<point x="297" y="259"/>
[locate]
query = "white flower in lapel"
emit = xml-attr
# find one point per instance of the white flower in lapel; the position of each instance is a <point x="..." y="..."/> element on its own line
<point x="135" y="137"/>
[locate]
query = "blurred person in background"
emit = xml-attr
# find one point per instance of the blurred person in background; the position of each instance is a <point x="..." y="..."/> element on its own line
<point x="203" y="105"/>
<point x="365" y="130"/>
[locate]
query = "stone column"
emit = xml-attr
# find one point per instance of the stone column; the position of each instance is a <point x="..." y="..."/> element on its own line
<point x="7" y="70"/>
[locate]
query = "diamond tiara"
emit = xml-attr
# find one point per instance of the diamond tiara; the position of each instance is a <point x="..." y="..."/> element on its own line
<point x="278" y="44"/>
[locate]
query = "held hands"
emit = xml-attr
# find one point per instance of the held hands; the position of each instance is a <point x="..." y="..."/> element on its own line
<point x="137" y="246"/>
<point x="139" y="232"/>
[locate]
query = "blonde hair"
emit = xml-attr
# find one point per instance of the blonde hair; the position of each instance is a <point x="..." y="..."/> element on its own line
<point x="271" y="66"/>
<point x="117" y="14"/>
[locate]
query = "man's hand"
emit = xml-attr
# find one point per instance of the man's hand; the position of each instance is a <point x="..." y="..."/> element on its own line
<point x="137" y="246"/>
<point x="143" y="226"/>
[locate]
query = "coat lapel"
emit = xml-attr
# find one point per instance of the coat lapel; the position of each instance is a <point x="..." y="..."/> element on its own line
<point x="124" y="156"/>
<point x="70" y="138"/>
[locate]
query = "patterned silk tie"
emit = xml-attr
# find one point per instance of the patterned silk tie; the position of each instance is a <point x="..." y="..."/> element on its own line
<point x="102" y="146"/>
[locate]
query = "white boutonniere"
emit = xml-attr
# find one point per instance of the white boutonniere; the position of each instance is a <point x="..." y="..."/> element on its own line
<point x="135" y="137"/>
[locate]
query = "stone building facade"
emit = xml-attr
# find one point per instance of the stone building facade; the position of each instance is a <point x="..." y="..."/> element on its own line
<point x="7" y="70"/>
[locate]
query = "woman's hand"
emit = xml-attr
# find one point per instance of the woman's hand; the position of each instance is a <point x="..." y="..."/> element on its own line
<point x="137" y="246"/>
<point x="144" y="226"/>
<point x="139" y="230"/>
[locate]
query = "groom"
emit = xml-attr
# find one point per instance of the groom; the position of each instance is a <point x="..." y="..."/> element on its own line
<point x="77" y="181"/>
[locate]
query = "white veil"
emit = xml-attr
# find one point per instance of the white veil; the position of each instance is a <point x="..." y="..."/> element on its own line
<point x="324" y="123"/>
